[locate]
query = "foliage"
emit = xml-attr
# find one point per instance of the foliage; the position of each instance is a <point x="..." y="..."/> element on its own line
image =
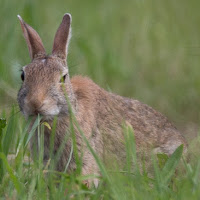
<point x="26" y="178"/>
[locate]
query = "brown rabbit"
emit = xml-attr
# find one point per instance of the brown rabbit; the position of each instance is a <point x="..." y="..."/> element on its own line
<point x="99" y="113"/>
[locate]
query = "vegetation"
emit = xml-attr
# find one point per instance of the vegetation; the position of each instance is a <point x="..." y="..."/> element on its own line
<point x="147" y="50"/>
<point x="25" y="178"/>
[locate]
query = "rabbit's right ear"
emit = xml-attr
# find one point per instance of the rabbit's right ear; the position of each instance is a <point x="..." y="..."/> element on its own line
<point x="62" y="37"/>
<point x="33" y="40"/>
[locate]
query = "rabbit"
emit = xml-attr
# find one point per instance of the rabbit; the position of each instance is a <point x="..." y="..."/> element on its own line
<point x="99" y="113"/>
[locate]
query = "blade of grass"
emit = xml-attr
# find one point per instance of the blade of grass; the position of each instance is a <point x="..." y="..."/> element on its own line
<point x="23" y="136"/>
<point x="33" y="129"/>
<point x="2" y="126"/>
<point x="171" y="164"/>
<point x="18" y="185"/>
<point x="9" y="135"/>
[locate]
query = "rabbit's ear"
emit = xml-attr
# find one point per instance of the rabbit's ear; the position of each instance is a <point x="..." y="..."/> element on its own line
<point x="62" y="37"/>
<point x="33" y="40"/>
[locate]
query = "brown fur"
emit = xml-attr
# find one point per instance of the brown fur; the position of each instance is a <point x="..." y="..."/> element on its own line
<point x="100" y="114"/>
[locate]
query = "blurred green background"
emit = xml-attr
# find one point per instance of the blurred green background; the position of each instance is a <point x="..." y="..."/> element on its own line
<point x="144" y="49"/>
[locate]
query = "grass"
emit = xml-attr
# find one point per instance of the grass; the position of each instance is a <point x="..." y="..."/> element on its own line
<point x="146" y="49"/>
<point x="24" y="178"/>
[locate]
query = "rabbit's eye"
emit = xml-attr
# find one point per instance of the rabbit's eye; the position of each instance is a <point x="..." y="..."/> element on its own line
<point x="62" y="80"/>
<point x="22" y="75"/>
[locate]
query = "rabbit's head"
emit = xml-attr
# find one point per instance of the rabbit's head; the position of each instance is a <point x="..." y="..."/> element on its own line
<point x="42" y="88"/>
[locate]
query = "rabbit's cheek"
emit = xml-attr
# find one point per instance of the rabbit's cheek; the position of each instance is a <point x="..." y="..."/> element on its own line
<point x="63" y="109"/>
<point x="27" y="109"/>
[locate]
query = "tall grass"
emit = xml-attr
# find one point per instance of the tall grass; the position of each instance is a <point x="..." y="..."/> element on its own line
<point x="23" y="177"/>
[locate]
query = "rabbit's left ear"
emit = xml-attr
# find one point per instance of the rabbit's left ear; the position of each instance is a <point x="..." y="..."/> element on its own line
<point x="62" y="37"/>
<point x="33" y="40"/>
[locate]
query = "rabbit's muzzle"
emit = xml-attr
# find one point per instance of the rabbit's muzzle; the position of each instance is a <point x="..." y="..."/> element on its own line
<point x="45" y="108"/>
<point x="36" y="103"/>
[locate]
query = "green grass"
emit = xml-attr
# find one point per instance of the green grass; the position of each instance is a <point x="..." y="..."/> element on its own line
<point x="24" y="178"/>
<point x="144" y="49"/>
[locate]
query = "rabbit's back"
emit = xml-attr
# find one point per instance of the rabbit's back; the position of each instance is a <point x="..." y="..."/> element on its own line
<point x="151" y="128"/>
<point x="110" y="111"/>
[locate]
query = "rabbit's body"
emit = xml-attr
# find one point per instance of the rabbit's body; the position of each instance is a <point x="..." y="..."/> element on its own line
<point x="108" y="112"/>
<point x="100" y="114"/>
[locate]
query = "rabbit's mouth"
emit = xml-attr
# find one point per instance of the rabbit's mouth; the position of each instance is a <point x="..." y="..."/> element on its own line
<point x="47" y="112"/>
<point x="44" y="117"/>
<point x="48" y="117"/>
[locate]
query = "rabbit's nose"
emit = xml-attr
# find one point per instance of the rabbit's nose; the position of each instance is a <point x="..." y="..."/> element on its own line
<point x="36" y="105"/>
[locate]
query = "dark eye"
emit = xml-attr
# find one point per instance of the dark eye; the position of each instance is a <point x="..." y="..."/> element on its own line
<point x="22" y="75"/>
<point x="62" y="80"/>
